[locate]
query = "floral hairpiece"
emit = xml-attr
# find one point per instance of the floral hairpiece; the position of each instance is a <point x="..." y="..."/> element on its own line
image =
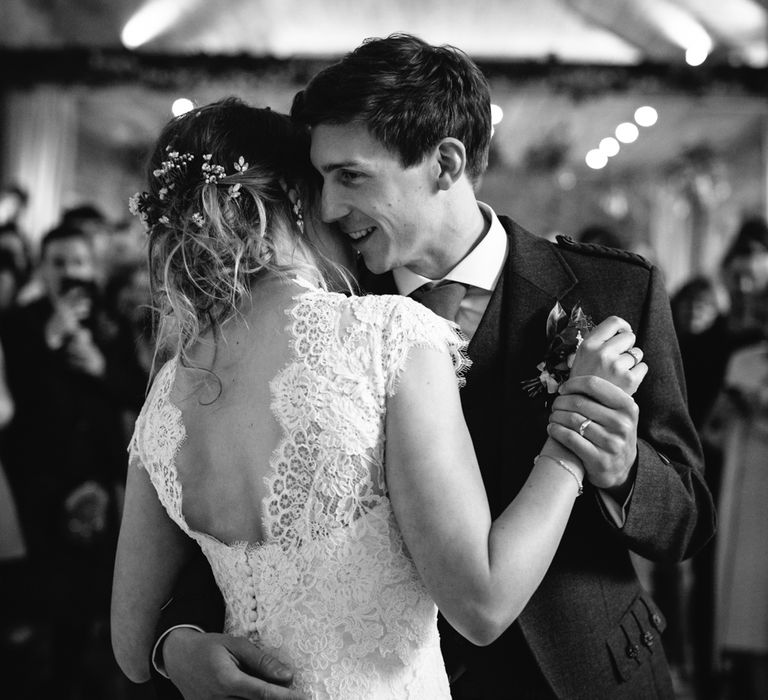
<point x="153" y="209"/>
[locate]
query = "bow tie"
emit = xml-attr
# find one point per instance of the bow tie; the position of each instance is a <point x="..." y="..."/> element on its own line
<point x="443" y="298"/>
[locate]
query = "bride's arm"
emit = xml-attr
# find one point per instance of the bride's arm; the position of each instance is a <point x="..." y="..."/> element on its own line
<point x="480" y="573"/>
<point x="150" y="552"/>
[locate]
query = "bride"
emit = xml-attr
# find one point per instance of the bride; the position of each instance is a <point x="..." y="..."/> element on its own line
<point x="311" y="442"/>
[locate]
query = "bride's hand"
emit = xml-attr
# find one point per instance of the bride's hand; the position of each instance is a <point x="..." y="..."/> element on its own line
<point x="595" y="416"/>
<point x="609" y="352"/>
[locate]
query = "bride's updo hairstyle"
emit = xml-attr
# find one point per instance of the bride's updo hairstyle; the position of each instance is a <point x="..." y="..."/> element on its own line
<point x="230" y="191"/>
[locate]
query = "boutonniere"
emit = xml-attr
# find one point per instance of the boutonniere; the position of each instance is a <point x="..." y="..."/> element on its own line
<point x="565" y="331"/>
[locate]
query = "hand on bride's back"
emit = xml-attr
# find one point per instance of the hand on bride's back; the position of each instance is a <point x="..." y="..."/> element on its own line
<point x="207" y="666"/>
<point x="609" y="352"/>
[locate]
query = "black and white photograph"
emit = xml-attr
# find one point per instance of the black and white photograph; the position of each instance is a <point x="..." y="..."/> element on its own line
<point x="407" y="350"/>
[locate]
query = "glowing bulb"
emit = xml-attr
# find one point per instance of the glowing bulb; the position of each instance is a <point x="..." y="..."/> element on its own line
<point x="151" y="20"/>
<point x="596" y="159"/>
<point x="181" y="106"/>
<point x="646" y="116"/>
<point x="609" y="146"/>
<point x="696" y="55"/>
<point x="627" y="132"/>
<point x="497" y="114"/>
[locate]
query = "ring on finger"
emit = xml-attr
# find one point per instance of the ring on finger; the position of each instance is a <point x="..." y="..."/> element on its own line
<point x="636" y="354"/>
<point x="584" y="425"/>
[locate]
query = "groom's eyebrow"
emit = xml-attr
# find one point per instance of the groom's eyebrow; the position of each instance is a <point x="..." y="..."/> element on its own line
<point x="330" y="167"/>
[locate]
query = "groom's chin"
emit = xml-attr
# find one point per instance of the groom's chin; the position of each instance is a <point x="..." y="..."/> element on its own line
<point x="374" y="265"/>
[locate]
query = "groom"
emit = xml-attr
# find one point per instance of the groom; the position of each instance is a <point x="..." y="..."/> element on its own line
<point x="400" y="135"/>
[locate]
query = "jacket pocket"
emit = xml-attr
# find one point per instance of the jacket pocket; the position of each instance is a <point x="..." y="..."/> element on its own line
<point x="637" y="636"/>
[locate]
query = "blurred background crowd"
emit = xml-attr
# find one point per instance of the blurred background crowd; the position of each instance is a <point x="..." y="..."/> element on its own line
<point x="637" y="124"/>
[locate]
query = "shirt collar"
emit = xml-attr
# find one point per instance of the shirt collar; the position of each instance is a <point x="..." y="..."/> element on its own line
<point x="481" y="268"/>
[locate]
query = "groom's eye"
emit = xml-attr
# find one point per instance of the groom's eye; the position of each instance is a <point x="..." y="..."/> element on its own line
<point x="349" y="177"/>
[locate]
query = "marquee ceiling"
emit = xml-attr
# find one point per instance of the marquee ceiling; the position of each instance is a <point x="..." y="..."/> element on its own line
<point x="541" y="120"/>
<point x="609" y="31"/>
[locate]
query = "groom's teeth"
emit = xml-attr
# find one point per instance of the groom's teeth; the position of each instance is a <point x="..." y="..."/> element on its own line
<point x="357" y="235"/>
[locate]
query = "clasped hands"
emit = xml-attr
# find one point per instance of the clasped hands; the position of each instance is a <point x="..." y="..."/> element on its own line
<point x="595" y="415"/>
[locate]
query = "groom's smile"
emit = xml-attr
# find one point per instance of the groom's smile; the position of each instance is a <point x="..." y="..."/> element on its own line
<point x="361" y="233"/>
<point x="386" y="210"/>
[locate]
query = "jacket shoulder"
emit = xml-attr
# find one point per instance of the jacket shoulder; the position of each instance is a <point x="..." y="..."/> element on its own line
<point x="600" y="251"/>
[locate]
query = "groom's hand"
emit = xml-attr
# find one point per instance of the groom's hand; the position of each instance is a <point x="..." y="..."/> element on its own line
<point x="207" y="666"/>
<point x="598" y="422"/>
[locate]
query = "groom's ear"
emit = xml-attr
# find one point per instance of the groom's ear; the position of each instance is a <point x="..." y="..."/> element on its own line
<point x="451" y="160"/>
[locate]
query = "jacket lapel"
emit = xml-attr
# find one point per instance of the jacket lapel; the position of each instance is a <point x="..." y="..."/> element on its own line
<point x="535" y="277"/>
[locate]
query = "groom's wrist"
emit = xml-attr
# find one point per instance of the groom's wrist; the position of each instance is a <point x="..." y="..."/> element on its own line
<point x="158" y="659"/>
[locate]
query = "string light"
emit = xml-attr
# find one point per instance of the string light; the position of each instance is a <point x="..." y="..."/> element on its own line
<point x="627" y="132"/>
<point x="646" y="116"/>
<point x="596" y="159"/>
<point x="609" y="146"/>
<point x="181" y="106"/>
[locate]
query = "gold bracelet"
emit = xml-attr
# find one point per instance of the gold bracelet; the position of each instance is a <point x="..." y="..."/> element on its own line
<point x="567" y="467"/>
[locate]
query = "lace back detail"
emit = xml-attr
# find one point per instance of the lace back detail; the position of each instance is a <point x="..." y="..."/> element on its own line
<point x="332" y="588"/>
<point x="156" y="440"/>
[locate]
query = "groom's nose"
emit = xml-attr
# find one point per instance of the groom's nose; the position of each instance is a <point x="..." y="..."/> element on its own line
<point x="332" y="207"/>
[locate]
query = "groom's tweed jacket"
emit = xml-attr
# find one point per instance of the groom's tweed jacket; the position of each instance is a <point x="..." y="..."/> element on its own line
<point x="589" y="631"/>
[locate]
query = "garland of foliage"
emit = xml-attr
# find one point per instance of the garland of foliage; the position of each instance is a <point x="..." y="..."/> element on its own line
<point x="111" y="67"/>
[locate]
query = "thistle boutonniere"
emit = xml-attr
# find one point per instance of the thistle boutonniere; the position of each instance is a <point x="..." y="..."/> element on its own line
<point x="565" y="331"/>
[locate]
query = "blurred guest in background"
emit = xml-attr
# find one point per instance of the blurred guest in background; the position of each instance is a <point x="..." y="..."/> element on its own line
<point x="127" y="299"/>
<point x="686" y="592"/>
<point x="15" y="632"/>
<point x="741" y="623"/>
<point x="745" y="273"/>
<point x="710" y="338"/>
<point x="600" y="235"/>
<point x="91" y="220"/>
<point x="12" y="546"/>
<point x="15" y="265"/>
<point x="65" y="453"/>
<point x="13" y="204"/>
<point x="705" y="343"/>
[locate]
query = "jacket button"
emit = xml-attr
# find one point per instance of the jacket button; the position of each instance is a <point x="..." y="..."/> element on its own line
<point x="633" y="651"/>
<point x="656" y="620"/>
<point x="648" y="639"/>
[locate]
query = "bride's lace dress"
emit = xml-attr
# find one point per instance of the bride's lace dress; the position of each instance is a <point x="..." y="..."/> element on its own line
<point x="332" y="586"/>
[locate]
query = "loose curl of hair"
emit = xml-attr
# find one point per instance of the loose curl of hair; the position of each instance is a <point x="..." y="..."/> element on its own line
<point x="201" y="269"/>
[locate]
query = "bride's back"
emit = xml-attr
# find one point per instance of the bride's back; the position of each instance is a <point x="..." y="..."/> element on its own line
<point x="224" y="397"/>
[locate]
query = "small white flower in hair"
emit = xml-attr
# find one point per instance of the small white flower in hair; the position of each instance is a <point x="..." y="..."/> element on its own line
<point x="211" y="173"/>
<point x="133" y="203"/>
<point x="198" y="220"/>
<point x="234" y="191"/>
<point x="242" y="165"/>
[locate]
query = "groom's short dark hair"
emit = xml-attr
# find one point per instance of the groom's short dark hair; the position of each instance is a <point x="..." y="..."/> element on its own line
<point x="409" y="94"/>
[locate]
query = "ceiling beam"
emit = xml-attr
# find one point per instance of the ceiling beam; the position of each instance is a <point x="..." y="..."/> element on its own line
<point x="113" y="67"/>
